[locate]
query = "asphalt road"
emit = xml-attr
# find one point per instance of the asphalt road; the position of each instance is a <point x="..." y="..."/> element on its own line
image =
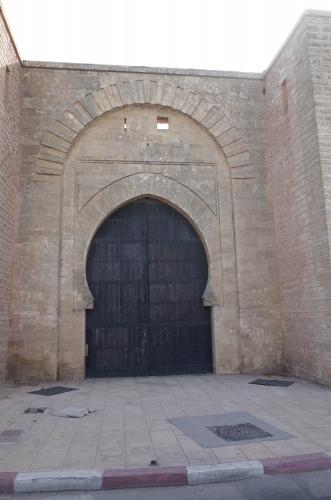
<point x="316" y="485"/>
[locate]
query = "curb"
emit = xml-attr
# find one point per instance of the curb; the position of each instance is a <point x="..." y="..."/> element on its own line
<point x="140" y="478"/>
<point x="92" y="480"/>
<point x="219" y="473"/>
<point x="297" y="463"/>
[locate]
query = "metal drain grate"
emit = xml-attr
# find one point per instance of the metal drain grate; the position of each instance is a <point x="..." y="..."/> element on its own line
<point x="273" y="383"/>
<point x="36" y="410"/>
<point x="52" y="391"/>
<point x="239" y="432"/>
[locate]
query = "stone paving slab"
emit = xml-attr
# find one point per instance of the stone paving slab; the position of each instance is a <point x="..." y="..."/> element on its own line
<point x="130" y="427"/>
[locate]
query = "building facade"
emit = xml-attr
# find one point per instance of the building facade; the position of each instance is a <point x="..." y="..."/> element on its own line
<point x="120" y="182"/>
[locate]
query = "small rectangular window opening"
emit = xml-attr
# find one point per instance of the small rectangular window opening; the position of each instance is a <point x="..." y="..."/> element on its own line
<point x="283" y="88"/>
<point x="6" y="86"/>
<point x="125" y="126"/>
<point x="162" y="123"/>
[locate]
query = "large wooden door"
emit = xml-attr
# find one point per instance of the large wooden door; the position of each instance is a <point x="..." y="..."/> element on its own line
<point x="147" y="271"/>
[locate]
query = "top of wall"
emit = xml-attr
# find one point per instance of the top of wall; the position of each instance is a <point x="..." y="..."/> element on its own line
<point x="142" y="69"/>
<point x="9" y="31"/>
<point x="163" y="71"/>
<point x="305" y="14"/>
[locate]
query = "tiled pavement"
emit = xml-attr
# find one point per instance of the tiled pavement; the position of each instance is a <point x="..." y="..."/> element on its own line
<point x="130" y="426"/>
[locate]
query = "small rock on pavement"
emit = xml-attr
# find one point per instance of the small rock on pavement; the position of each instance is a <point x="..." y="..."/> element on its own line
<point x="71" y="412"/>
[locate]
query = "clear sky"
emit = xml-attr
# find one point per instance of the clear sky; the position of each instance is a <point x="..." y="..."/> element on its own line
<point x="235" y="35"/>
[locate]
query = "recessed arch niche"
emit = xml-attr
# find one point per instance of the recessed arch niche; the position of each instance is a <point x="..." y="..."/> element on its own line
<point x="110" y="165"/>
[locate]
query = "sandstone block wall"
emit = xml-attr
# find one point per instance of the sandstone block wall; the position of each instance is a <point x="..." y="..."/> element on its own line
<point x="319" y="44"/>
<point x="10" y="87"/>
<point x="298" y="104"/>
<point x="66" y="100"/>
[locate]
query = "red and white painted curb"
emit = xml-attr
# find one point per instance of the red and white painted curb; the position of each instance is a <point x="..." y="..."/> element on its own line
<point x="92" y="480"/>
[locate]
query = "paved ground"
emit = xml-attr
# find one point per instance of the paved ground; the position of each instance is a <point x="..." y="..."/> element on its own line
<point x="312" y="485"/>
<point x="130" y="426"/>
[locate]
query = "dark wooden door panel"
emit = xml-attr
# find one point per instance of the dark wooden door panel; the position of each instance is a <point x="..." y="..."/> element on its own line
<point x="119" y="351"/>
<point x="177" y="274"/>
<point x="117" y="331"/>
<point x="180" y="349"/>
<point x="147" y="271"/>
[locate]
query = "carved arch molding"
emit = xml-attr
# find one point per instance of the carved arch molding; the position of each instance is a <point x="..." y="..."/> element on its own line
<point x="128" y="189"/>
<point x="61" y="136"/>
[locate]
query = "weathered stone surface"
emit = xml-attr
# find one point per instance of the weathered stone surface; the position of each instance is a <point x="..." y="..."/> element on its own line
<point x="107" y="166"/>
<point x="299" y="161"/>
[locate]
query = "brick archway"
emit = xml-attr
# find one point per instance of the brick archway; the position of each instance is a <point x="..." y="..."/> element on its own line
<point x="63" y="132"/>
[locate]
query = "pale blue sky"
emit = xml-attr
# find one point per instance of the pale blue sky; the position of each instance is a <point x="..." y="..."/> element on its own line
<point x="236" y="35"/>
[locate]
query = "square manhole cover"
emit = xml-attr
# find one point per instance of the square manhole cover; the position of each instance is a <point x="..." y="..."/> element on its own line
<point x="227" y="429"/>
<point x="52" y="391"/>
<point x="239" y="432"/>
<point x="273" y="383"/>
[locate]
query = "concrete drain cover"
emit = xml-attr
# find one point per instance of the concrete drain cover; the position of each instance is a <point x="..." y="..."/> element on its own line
<point x="226" y="429"/>
<point x="10" y="436"/>
<point x="52" y="391"/>
<point x="273" y="383"/>
<point x="239" y="432"/>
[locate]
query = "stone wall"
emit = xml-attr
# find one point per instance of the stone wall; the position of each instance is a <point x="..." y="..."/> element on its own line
<point x="60" y="103"/>
<point x="247" y="160"/>
<point x="298" y="90"/>
<point x="10" y="84"/>
<point x="319" y="39"/>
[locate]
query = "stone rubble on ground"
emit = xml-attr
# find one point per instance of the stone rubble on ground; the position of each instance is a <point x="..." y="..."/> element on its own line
<point x="71" y="412"/>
